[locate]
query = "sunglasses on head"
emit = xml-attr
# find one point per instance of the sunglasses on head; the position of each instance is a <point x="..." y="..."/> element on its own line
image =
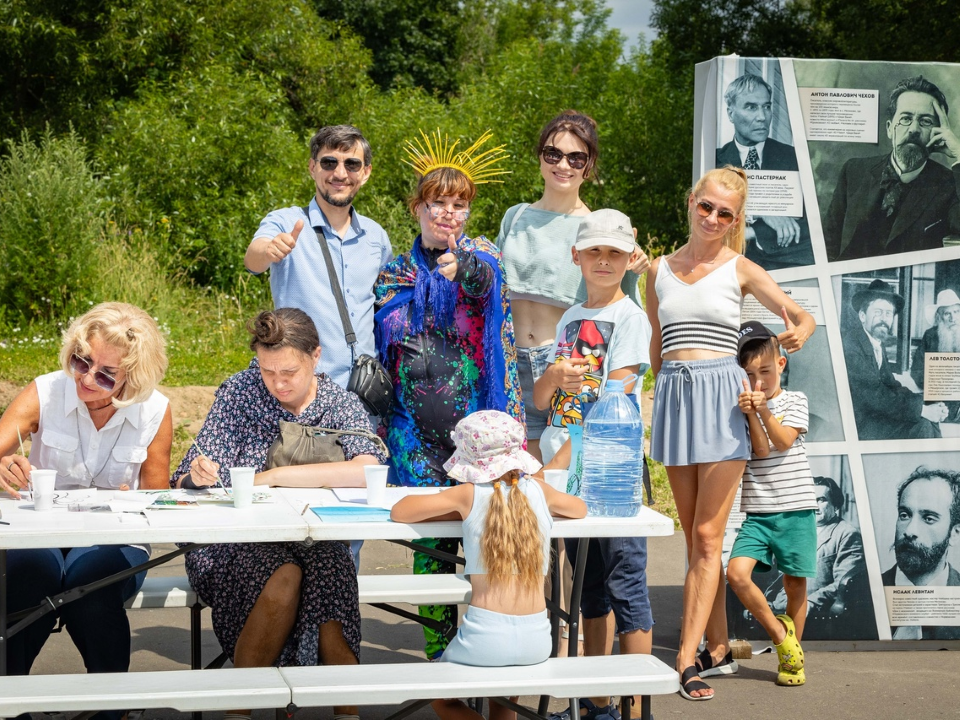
<point x="724" y="217"/>
<point x="82" y="365"/>
<point x="328" y="162"/>
<point x="552" y="156"/>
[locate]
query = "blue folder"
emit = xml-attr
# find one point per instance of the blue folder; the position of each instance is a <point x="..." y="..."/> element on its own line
<point x="359" y="513"/>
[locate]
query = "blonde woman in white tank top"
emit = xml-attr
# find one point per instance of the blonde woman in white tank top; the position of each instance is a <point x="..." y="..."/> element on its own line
<point x="694" y="355"/>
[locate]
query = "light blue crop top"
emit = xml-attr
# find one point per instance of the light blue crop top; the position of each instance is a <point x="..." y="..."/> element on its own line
<point x="536" y="257"/>
<point x="474" y="523"/>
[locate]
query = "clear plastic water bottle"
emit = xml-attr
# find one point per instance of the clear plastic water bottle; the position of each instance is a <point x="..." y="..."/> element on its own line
<point x="612" y="484"/>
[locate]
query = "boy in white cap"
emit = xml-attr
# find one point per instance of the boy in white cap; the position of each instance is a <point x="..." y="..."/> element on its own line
<point x="607" y="336"/>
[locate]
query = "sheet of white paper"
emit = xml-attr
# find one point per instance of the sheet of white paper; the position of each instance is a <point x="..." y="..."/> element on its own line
<point x="392" y="497"/>
<point x="131" y="501"/>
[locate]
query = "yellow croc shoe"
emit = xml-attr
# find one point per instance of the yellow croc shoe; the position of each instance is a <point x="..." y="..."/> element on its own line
<point x="791" y="679"/>
<point x="789" y="652"/>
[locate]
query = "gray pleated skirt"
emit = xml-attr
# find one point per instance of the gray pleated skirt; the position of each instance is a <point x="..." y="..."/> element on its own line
<point x="696" y="415"/>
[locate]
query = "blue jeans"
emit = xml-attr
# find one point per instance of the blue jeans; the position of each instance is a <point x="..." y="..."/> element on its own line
<point x="97" y="622"/>
<point x="531" y="364"/>
<point x="615" y="578"/>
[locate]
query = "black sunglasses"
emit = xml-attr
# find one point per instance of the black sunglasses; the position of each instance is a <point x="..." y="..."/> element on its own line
<point x="82" y="365"/>
<point x="328" y="162"/>
<point x="724" y="217"/>
<point x="552" y="156"/>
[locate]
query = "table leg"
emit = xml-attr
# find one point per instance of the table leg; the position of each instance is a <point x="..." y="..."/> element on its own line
<point x="23" y="618"/>
<point x="557" y="570"/>
<point x="573" y="624"/>
<point x="645" y="708"/>
<point x="3" y="612"/>
<point x="573" y="619"/>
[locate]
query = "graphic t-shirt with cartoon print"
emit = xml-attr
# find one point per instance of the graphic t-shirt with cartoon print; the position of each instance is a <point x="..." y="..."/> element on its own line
<point x="606" y="339"/>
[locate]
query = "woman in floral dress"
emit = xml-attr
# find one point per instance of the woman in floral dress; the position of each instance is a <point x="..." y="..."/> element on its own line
<point x="280" y="603"/>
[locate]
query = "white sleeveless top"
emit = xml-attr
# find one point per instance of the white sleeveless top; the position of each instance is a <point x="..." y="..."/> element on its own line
<point x="474" y="523"/>
<point x="68" y="442"/>
<point x="703" y="315"/>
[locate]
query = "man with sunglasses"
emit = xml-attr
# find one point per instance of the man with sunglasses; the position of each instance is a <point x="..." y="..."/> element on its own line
<point x="900" y="201"/>
<point x="773" y="241"/>
<point x="287" y="243"/>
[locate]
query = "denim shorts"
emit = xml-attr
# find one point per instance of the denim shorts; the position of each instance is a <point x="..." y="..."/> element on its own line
<point x="790" y="537"/>
<point x="531" y="364"/>
<point x="615" y="578"/>
<point x="491" y="639"/>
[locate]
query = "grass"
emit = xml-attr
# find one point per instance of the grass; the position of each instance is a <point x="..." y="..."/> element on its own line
<point x="662" y="496"/>
<point x="205" y="332"/>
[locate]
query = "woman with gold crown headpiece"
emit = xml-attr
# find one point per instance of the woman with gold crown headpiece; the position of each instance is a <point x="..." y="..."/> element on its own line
<point x="444" y="329"/>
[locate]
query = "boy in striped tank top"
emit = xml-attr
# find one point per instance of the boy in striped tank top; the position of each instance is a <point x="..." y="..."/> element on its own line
<point x="778" y="498"/>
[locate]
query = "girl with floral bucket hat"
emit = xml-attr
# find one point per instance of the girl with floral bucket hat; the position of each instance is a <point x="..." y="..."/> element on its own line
<point x="507" y="515"/>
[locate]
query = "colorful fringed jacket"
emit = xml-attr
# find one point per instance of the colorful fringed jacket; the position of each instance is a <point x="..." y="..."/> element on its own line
<point x="449" y="348"/>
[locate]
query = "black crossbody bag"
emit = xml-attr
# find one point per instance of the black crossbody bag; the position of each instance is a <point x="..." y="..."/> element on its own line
<point x="368" y="378"/>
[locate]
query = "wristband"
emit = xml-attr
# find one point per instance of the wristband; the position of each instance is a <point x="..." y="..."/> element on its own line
<point x="187" y="483"/>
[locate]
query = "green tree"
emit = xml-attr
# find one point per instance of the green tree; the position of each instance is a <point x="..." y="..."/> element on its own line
<point x="692" y="31"/>
<point x="892" y="30"/>
<point x="52" y="214"/>
<point x="211" y="153"/>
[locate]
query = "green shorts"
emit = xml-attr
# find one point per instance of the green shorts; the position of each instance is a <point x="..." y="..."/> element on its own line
<point x="790" y="537"/>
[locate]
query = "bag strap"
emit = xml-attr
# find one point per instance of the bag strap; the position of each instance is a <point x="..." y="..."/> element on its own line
<point x="348" y="333"/>
<point x="513" y="221"/>
<point x="373" y="437"/>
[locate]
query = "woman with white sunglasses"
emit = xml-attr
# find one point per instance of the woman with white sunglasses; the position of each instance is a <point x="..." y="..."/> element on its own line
<point x="99" y="422"/>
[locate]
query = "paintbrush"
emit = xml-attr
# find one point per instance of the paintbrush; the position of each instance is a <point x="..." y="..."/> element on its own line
<point x="22" y="453"/>
<point x="203" y="454"/>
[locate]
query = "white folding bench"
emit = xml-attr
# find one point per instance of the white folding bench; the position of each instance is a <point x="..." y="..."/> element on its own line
<point x="419" y="683"/>
<point x="183" y="690"/>
<point x="170" y="591"/>
<point x="323" y="686"/>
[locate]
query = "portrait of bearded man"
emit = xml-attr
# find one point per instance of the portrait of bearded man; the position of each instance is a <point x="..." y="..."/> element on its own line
<point x="928" y="525"/>
<point x="942" y="336"/>
<point x="883" y="408"/>
<point x="904" y="200"/>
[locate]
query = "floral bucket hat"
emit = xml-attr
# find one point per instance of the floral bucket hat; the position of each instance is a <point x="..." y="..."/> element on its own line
<point x="489" y="444"/>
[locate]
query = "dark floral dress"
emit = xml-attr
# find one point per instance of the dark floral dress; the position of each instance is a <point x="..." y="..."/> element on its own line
<point x="242" y="424"/>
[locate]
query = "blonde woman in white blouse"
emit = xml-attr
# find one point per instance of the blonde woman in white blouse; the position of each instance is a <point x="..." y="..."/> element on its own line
<point x="99" y="422"/>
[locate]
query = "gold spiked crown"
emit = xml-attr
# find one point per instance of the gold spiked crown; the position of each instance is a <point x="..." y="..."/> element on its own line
<point x="436" y="152"/>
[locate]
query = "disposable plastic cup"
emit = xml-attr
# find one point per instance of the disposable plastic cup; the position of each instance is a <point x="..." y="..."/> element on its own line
<point x="376" y="476"/>
<point x="557" y="479"/>
<point x="241" y="480"/>
<point x="44" y="484"/>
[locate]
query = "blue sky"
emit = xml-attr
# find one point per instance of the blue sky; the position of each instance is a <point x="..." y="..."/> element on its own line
<point x="631" y="17"/>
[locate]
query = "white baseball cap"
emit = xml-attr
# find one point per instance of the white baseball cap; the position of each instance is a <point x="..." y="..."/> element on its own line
<point x="608" y="228"/>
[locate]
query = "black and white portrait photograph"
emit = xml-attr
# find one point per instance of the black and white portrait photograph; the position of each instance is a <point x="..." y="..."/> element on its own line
<point x="902" y="193"/>
<point x="900" y="331"/>
<point x="754" y="133"/>
<point x="839" y="606"/>
<point x="915" y="505"/>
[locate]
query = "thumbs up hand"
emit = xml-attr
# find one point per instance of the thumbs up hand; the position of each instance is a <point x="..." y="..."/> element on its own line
<point x="282" y="245"/>
<point x="745" y="400"/>
<point x="447" y="263"/>
<point x="752" y="401"/>
<point x="794" y="336"/>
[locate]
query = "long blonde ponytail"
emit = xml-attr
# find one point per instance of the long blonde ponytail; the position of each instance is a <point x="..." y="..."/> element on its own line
<point x="512" y="545"/>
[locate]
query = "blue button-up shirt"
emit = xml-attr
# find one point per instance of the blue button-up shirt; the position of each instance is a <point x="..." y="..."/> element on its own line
<point x="300" y="280"/>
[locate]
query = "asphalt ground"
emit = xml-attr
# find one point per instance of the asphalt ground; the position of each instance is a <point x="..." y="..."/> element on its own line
<point x="840" y="684"/>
